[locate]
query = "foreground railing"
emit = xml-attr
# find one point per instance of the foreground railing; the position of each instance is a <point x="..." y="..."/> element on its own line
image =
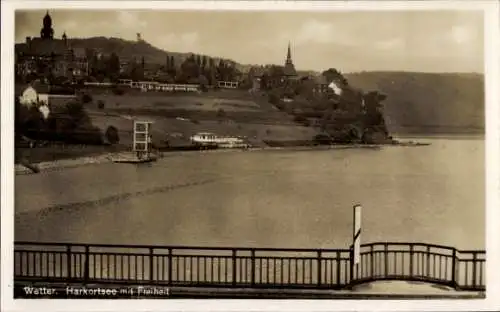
<point x="247" y="267"/>
<point x="462" y="270"/>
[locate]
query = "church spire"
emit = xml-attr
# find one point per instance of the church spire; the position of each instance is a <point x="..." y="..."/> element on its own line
<point x="289" y="54"/>
<point x="289" y="68"/>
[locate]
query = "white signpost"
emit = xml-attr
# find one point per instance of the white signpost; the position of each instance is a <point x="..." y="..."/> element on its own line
<point x="356" y="235"/>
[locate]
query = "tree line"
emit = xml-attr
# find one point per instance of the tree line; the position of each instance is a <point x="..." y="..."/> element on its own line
<point x="351" y="116"/>
<point x="193" y="69"/>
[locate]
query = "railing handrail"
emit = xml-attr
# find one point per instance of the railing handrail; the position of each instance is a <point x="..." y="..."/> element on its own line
<point x="256" y="249"/>
<point x="408" y="244"/>
<point x="179" y="247"/>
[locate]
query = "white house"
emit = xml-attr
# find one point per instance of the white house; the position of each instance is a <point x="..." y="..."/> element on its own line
<point x="43" y="99"/>
<point x="41" y="95"/>
<point x="30" y="96"/>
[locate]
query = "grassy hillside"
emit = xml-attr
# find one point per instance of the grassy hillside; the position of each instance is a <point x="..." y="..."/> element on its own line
<point x="427" y="102"/>
<point x="177" y="117"/>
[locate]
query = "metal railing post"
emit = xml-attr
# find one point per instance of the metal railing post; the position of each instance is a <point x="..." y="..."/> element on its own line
<point x="454" y="268"/>
<point x="428" y="268"/>
<point x="474" y="267"/>
<point x="252" y="259"/>
<point x="234" y="277"/>
<point x="386" y="259"/>
<point x="68" y="261"/>
<point x="411" y="260"/>
<point x="319" y="268"/>
<point x="151" y="255"/>
<point x="372" y="264"/>
<point x="338" y="268"/>
<point x="86" y="268"/>
<point x="170" y="266"/>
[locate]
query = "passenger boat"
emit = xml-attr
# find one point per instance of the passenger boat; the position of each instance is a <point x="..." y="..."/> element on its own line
<point x="212" y="140"/>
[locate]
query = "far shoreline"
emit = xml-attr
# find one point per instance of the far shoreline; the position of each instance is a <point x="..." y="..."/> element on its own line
<point x="25" y="167"/>
<point x="447" y="136"/>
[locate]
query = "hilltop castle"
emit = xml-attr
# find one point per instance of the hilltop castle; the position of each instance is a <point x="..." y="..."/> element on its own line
<point x="46" y="55"/>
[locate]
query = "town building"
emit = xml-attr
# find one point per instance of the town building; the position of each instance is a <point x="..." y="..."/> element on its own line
<point x="49" y="56"/>
<point x="228" y="84"/>
<point x="32" y="95"/>
<point x="320" y="84"/>
<point x="255" y="77"/>
<point x="274" y="75"/>
<point x="38" y="94"/>
<point x="149" y="86"/>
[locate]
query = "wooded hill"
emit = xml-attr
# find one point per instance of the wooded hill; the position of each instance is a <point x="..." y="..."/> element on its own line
<point x="428" y="102"/>
<point x="128" y="50"/>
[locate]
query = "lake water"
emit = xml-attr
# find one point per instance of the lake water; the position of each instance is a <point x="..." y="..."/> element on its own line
<point x="278" y="198"/>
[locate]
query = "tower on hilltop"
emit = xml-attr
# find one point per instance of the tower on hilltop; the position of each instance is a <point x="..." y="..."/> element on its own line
<point x="47" y="32"/>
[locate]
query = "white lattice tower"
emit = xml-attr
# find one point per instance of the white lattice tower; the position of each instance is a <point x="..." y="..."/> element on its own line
<point x="142" y="136"/>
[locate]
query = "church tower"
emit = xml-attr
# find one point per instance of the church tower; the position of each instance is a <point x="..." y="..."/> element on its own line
<point x="47" y="32"/>
<point x="289" y="68"/>
<point x="289" y="55"/>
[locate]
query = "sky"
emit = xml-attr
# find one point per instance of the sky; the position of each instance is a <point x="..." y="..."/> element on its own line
<point x="351" y="41"/>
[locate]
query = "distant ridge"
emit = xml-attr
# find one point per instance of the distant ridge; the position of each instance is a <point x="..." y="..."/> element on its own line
<point x="128" y="49"/>
<point x="428" y="102"/>
<point x="417" y="102"/>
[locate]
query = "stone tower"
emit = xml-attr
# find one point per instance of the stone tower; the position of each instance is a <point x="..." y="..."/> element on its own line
<point x="47" y="32"/>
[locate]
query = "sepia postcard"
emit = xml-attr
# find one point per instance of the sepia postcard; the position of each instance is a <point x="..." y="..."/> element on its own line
<point x="290" y="155"/>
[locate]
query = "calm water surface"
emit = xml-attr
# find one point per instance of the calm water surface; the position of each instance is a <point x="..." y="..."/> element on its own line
<point x="431" y="194"/>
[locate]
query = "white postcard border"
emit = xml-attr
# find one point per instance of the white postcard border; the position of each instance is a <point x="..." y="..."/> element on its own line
<point x="492" y="66"/>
